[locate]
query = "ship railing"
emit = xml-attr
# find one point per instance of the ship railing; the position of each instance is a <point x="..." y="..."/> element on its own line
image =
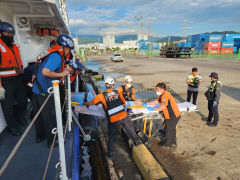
<point x="56" y="131"/>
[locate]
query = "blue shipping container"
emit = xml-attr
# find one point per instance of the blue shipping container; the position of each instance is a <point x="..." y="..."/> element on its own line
<point x="188" y="44"/>
<point x="179" y="44"/>
<point x="203" y="37"/>
<point x="189" y="39"/>
<point x="215" y="38"/>
<point x="155" y="46"/>
<point x="195" y="37"/>
<point x="237" y="44"/>
<point x="232" y="37"/>
<point x="235" y="49"/>
<point x="199" y="44"/>
<point x="227" y="44"/>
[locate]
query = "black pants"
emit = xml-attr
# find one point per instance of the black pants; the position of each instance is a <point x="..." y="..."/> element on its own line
<point x="14" y="93"/>
<point x="189" y="95"/>
<point x="170" y="129"/>
<point x="47" y="118"/>
<point x="213" y="112"/>
<point x="113" y="131"/>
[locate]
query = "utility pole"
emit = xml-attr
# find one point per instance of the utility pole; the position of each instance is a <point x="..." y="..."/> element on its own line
<point x="138" y="18"/>
<point x="168" y="40"/>
<point x="185" y="30"/>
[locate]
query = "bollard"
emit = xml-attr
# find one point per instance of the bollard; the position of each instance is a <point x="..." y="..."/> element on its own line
<point x="59" y="128"/>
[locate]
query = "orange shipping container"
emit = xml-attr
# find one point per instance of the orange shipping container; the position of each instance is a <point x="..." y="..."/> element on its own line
<point x="211" y="51"/>
<point x="212" y="45"/>
<point x="227" y="51"/>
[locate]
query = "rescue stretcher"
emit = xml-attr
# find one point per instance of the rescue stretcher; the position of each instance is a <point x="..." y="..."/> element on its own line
<point x="147" y="122"/>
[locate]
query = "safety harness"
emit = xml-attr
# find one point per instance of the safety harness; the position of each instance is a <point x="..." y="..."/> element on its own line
<point x="114" y="103"/>
<point x="126" y="92"/>
<point x="194" y="80"/>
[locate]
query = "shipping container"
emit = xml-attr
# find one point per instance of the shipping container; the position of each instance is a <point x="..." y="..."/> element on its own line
<point x="187" y="44"/>
<point x="195" y="37"/>
<point x="237" y="44"/>
<point x="156" y="46"/>
<point x="215" y="38"/>
<point x="212" y="45"/>
<point x="203" y="37"/>
<point x="199" y="44"/>
<point x="235" y="50"/>
<point x="179" y="44"/>
<point x="189" y="39"/>
<point x="227" y="44"/>
<point x="192" y="44"/>
<point x="232" y="37"/>
<point x="211" y="51"/>
<point x="227" y="51"/>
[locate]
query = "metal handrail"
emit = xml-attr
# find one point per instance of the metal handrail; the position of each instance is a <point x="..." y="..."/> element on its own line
<point x="54" y="131"/>
<point x="15" y="149"/>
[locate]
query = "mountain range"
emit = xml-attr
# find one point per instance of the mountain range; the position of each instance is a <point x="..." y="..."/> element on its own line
<point x="87" y="39"/>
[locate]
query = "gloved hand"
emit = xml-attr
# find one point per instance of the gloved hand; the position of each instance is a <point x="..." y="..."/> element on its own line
<point x="215" y="103"/>
<point x="2" y="93"/>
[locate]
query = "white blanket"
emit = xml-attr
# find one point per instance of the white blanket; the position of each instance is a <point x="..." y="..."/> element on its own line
<point x="98" y="110"/>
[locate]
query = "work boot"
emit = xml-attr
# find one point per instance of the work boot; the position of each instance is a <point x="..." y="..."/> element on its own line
<point x="14" y="132"/>
<point x="208" y="123"/>
<point x="212" y="125"/>
<point x="205" y="119"/>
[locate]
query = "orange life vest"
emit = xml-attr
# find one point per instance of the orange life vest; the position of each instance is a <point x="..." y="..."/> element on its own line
<point x="59" y="50"/>
<point x="73" y="77"/>
<point x="46" y="53"/>
<point x="11" y="61"/>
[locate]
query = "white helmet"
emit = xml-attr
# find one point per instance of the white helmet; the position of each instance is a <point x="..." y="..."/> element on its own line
<point x="109" y="81"/>
<point x="128" y="79"/>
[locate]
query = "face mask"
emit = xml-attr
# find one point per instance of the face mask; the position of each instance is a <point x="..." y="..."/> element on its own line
<point x="129" y="85"/>
<point x="8" y="40"/>
<point x="158" y="93"/>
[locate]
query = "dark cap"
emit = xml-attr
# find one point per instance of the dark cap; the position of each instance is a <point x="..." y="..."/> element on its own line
<point x="214" y="74"/>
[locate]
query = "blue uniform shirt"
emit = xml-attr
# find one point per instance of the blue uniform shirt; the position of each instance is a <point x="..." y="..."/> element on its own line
<point x="53" y="62"/>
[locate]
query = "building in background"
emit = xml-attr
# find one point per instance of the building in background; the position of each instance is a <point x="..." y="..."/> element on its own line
<point x="143" y="36"/>
<point x="76" y="45"/>
<point x="108" y="40"/>
<point x="130" y="44"/>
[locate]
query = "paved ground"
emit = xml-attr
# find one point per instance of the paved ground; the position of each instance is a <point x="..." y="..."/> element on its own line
<point x="203" y="152"/>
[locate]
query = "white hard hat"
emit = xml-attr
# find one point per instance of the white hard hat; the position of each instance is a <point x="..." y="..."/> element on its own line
<point x="109" y="80"/>
<point x="128" y="79"/>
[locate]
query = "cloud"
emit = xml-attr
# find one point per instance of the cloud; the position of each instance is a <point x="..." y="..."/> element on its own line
<point x="98" y="17"/>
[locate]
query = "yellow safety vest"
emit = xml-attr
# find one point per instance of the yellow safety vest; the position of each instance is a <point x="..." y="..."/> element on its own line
<point x="194" y="78"/>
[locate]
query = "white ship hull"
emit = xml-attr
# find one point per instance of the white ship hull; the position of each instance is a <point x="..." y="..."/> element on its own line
<point x="39" y="13"/>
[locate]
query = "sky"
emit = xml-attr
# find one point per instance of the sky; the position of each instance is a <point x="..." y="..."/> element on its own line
<point x="159" y="17"/>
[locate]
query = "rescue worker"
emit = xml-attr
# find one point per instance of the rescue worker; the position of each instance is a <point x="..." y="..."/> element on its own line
<point x="11" y="81"/>
<point x="213" y="96"/>
<point x="127" y="90"/>
<point x="171" y="114"/>
<point x="113" y="103"/>
<point x="51" y="68"/>
<point x="193" y="81"/>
